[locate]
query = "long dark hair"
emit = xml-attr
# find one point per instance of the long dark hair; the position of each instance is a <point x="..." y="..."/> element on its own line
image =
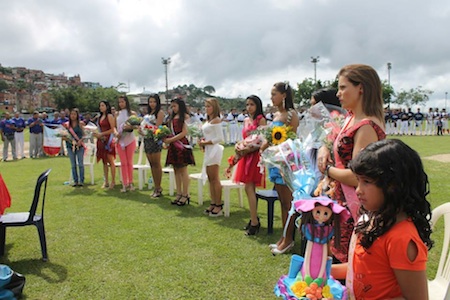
<point x="108" y="107"/>
<point x="158" y="104"/>
<point x="398" y="171"/>
<point x="127" y="103"/>
<point x="182" y="110"/>
<point x="285" y="88"/>
<point x="78" y="117"/>
<point x="319" y="231"/>
<point x="258" y="103"/>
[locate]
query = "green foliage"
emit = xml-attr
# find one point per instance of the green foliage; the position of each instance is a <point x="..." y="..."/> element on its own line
<point x="3" y="85"/>
<point x="85" y="99"/>
<point x="209" y="89"/>
<point x="388" y="92"/>
<point x="304" y="91"/>
<point x="416" y="96"/>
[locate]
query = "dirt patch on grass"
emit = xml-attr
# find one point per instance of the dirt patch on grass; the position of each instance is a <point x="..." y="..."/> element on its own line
<point x="440" y="157"/>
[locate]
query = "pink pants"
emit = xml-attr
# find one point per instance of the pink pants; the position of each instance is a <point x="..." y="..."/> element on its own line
<point x="126" y="162"/>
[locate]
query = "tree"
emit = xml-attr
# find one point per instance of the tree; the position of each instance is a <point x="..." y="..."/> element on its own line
<point x="209" y="89"/>
<point x="416" y="96"/>
<point x="3" y="85"/>
<point x="388" y="92"/>
<point x="305" y="90"/>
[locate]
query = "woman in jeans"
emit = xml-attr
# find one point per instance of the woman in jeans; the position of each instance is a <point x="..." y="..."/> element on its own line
<point x="75" y="147"/>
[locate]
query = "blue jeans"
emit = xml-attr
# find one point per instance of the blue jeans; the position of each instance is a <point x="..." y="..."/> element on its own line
<point x="77" y="157"/>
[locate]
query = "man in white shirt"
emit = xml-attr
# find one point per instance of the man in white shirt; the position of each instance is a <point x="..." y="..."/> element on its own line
<point x="232" y="126"/>
<point x="240" y="121"/>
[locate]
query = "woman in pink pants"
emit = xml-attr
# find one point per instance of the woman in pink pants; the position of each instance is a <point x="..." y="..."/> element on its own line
<point x="126" y="143"/>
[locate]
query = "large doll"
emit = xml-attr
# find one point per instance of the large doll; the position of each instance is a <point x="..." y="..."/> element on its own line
<point x="309" y="276"/>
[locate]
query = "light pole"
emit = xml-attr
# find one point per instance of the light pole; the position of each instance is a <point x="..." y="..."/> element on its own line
<point x="389" y="67"/>
<point x="165" y="62"/>
<point x="446" y="101"/>
<point x="315" y="60"/>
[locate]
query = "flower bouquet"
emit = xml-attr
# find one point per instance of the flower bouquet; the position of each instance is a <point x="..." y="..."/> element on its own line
<point x="63" y="133"/>
<point x="90" y="130"/>
<point x="295" y="166"/>
<point x="195" y="129"/>
<point x="161" y="132"/>
<point x="130" y="122"/>
<point x="276" y="135"/>
<point x="250" y="144"/>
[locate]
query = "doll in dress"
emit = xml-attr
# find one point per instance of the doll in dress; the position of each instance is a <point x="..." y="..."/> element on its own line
<point x="311" y="274"/>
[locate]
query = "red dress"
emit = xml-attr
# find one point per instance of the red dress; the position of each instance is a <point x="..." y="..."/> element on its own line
<point x="247" y="169"/>
<point x="106" y="145"/>
<point x="177" y="155"/>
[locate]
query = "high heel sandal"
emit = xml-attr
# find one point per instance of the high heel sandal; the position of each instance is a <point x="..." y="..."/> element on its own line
<point x="249" y="223"/>
<point x="111" y="186"/>
<point x="175" y="202"/>
<point x="157" y="193"/>
<point x="253" y="230"/>
<point x="209" y="209"/>
<point x="123" y="189"/>
<point x="183" y="203"/>
<point x="217" y="213"/>
<point x="105" y="185"/>
<point x="131" y="187"/>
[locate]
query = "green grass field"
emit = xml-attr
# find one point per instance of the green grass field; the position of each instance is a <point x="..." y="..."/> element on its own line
<point x="108" y="245"/>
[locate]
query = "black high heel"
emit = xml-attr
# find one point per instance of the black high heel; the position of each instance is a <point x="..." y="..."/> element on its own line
<point x="183" y="203"/>
<point x="175" y="202"/>
<point x="249" y="223"/>
<point x="253" y="230"/>
<point x="217" y="213"/>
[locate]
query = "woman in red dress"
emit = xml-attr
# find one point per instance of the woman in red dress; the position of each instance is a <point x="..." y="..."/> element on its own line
<point x="106" y="146"/>
<point x="180" y="153"/>
<point x="247" y="170"/>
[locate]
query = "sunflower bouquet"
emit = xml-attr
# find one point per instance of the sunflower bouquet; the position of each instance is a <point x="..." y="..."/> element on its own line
<point x="276" y="135"/>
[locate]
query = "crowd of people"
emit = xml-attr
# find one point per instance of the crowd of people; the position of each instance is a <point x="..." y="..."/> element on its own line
<point x="369" y="171"/>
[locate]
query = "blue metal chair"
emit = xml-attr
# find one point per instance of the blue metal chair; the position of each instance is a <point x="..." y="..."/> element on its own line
<point x="28" y="218"/>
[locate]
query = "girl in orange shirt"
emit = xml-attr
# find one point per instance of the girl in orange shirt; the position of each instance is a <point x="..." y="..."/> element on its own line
<point x="388" y="250"/>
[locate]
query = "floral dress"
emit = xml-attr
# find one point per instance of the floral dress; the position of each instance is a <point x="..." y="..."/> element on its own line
<point x="343" y="151"/>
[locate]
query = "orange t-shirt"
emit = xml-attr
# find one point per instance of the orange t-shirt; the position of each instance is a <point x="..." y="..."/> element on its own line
<point x="373" y="274"/>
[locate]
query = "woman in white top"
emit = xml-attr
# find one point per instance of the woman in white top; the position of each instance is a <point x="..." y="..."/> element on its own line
<point x="212" y="131"/>
<point x="126" y="143"/>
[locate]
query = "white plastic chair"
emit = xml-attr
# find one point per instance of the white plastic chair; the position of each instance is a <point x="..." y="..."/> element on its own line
<point x="439" y="287"/>
<point x="171" y="172"/>
<point x="227" y="186"/>
<point x="90" y="155"/>
<point x="198" y="177"/>
<point x="142" y="167"/>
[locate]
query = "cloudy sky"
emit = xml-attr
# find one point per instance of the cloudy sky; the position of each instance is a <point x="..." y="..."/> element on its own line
<point x="240" y="47"/>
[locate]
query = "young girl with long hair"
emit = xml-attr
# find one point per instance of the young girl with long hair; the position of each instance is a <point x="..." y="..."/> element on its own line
<point x="179" y="154"/>
<point x="75" y="147"/>
<point x="388" y="249"/>
<point x="282" y="99"/>
<point x="126" y="143"/>
<point x="106" y="145"/>
<point x="152" y="148"/>
<point x="213" y="136"/>
<point x="247" y="170"/>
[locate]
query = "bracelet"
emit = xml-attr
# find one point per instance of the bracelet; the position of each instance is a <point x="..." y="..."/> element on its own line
<point x="327" y="170"/>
